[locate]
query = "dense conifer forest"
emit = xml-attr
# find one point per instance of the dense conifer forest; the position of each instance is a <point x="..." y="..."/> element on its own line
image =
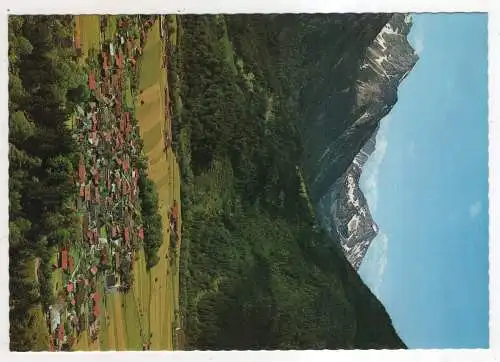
<point x="257" y="271"/>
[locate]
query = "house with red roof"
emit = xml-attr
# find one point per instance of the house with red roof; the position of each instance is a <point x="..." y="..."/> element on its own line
<point x="104" y="257"/>
<point x="52" y="347"/>
<point x="118" y="106"/>
<point x="175" y="210"/>
<point x="94" y="122"/>
<point x="118" y="183"/>
<point x="96" y="310"/>
<point x="81" y="170"/>
<point x="92" y="197"/>
<point x="126" y="234"/>
<point x="126" y="165"/>
<point x="105" y="61"/>
<point x="92" y="83"/>
<point x="64" y="259"/>
<point x="60" y="333"/>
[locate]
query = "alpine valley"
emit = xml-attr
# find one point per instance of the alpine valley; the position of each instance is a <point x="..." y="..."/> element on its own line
<point x="279" y="116"/>
<point x="247" y="136"/>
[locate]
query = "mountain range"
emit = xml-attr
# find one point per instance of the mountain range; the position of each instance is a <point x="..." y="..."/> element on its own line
<point x="279" y="115"/>
<point x="344" y="209"/>
<point x="335" y="165"/>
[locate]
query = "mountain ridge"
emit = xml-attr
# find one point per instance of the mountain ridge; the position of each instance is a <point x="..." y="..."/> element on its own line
<point x="253" y="253"/>
<point x="384" y="64"/>
<point x="341" y="205"/>
<point x="351" y="218"/>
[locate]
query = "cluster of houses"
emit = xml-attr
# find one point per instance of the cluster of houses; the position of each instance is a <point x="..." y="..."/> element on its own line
<point x="107" y="191"/>
<point x="77" y="307"/>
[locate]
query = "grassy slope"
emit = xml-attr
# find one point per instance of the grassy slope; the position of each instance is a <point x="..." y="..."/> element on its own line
<point x="164" y="171"/>
<point x="144" y="309"/>
<point x="88" y="27"/>
<point x="39" y="330"/>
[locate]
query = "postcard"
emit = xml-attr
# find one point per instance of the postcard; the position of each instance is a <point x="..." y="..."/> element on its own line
<point x="221" y="182"/>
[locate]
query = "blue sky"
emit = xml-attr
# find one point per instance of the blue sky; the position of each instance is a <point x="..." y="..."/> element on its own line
<point x="427" y="187"/>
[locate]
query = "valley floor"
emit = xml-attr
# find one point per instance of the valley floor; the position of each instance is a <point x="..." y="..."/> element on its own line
<point x="146" y="316"/>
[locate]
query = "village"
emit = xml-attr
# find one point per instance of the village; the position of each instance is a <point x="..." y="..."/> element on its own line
<point x="106" y="187"/>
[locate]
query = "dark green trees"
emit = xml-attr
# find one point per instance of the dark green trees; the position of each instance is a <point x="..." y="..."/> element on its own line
<point x="41" y="73"/>
<point x="256" y="272"/>
<point x="153" y="228"/>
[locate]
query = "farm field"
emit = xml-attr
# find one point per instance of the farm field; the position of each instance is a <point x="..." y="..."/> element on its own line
<point x="163" y="279"/>
<point x="87" y="28"/>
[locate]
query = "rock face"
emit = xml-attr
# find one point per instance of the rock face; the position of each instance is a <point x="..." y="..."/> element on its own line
<point x="344" y="210"/>
<point x="337" y="144"/>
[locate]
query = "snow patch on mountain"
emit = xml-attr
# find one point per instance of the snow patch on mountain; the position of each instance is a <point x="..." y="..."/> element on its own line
<point x="343" y="210"/>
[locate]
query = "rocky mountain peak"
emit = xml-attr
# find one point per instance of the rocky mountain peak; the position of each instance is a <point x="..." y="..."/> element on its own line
<point x="334" y="182"/>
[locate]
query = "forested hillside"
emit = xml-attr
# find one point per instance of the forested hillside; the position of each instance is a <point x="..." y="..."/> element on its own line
<point x="257" y="271"/>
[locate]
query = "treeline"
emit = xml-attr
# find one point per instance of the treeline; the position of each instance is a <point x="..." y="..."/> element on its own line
<point x="256" y="270"/>
<point x="153" y="228"/>
<point x="42" y="72"/>
<point x="148" y="195"/>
